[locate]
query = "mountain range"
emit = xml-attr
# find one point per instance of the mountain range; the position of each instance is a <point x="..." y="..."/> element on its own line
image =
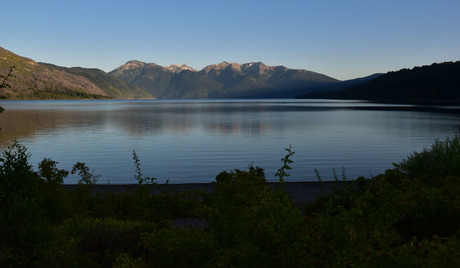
<point x="438" y="83"/>
<point x="136" y="80"/>
<point x="223" y="80"/>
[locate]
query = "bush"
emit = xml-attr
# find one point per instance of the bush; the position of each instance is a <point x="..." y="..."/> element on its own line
<point x="99" y="242"/>
<point x="177" y="247"/>
<point x="441" y="160"/>
<point x="408" y="216"/>
<point x="404" y="217"/>
<point x="252" y="224"/>
<point x="24" y="230"/>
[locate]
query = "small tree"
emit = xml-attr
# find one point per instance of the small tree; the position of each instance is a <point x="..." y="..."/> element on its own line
<point x="138" y="172"/>
<point x="286" y="165"/>
<point x="50" y="173"/>
<point x="87" y="177"/>
<point x="4" y="84"/>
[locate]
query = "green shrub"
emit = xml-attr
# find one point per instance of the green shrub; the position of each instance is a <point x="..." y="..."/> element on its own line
<point x="48" y="171"/>
<point x="87" y="177"/>
<point x="426" y="212"/>
<point x="99" y="242"/>
<point x="177" y="247"/>
<point x="407" y="217"/>
<point x="404" y="217"/>
<point x="24" y="230"/>
<point x="282" y="172"/>
<point x="442" y="159"/>
<point x="56" y="204"/>
<point x="252" y="224"/>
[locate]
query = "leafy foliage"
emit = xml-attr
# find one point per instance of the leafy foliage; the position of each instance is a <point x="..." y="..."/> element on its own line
<point x="50" y="173"/>
<point x="286" y="164"/>
<point x="87" y="177"/>
<point x="252" y="225"/>
<point x="21" y="213"/>
<point x="442" y="159"/>
<point x="407" y="217"/>
<point x="138" y="172"/>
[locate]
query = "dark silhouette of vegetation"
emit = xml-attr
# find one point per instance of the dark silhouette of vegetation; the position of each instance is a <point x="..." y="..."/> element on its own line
<point x="25" y="229"/>
<point x="5" y="77"/>
<point x="138" y="172"/>
<point x="329" y="90"/>
<point x="282" y="172"/>
<point x="438" y="83"/>
<point x="48" y="171"/>
<point x="408" y="216"/>
<point x="87" y="176"/>
<point x="4" y="84"/>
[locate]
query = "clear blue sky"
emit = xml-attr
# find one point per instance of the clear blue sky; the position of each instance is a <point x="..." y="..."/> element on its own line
<point x="344" y="38"/>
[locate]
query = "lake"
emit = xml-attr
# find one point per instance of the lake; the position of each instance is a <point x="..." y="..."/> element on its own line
<point x="189" y="141"/>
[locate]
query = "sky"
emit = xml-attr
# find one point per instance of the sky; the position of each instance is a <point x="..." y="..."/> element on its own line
<point x="344" y="39"/>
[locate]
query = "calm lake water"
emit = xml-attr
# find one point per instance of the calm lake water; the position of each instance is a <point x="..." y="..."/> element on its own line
<point x="192" y="141"/>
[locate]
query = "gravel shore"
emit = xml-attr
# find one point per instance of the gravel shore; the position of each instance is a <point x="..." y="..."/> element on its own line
<point x="300" y="192"/>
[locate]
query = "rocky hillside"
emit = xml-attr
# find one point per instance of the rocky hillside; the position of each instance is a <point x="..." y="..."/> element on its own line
<point x="34" y="80"/>
<point x="114" y="87"/>
<point x="224" y="80"/>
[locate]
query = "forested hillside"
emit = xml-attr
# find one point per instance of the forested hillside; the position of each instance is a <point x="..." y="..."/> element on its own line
<point x="438" y="83"/>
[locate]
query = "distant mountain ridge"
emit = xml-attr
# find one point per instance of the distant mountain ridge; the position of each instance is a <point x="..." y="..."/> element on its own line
<point x="438" y="83"/>
<point x="223" y="80"/>
<point x="326" y="89"/>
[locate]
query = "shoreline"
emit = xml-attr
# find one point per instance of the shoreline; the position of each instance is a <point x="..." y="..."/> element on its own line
<point x="300" y="192"/>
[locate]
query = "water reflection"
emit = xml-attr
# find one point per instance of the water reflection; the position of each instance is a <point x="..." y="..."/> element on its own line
<point x="136" y="120"/>
<point x="198" y="139"/>
<point x="180" y="118"/>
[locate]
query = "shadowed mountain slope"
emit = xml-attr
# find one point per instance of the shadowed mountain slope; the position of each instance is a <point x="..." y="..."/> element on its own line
<point x="438" y="83"/>
<point x="223" y="80"/>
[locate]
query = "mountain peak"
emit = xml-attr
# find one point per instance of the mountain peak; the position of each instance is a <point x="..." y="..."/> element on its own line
<point x="221" y="66"/>
<point x="256" y="68"/>
<point x="258" y="63"/>
<point x="175" y="68"/>
<point x="225" y="64"/>
<point x="134" y="64"/>
<point x="259" y="68"/>
<point x="221" y="80"/>
<point x="130" y="65"/>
